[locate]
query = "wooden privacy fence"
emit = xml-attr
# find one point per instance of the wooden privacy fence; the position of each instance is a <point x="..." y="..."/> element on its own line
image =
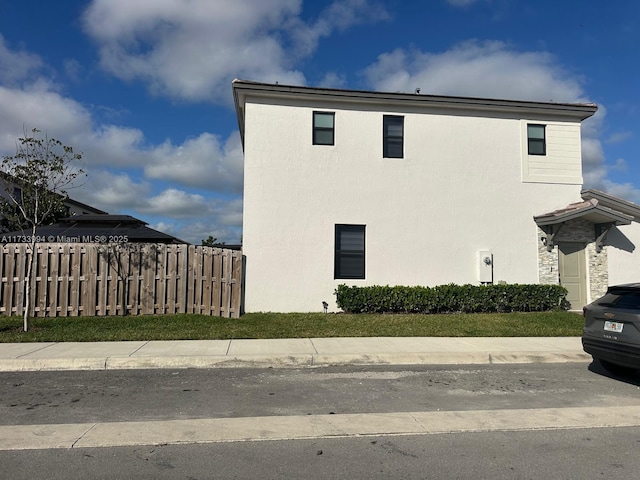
<point x="88" y="279"/>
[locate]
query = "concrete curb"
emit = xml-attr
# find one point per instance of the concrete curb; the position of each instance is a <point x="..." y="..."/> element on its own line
<point x="289" y="361"/>
<point x="300" y="427"/>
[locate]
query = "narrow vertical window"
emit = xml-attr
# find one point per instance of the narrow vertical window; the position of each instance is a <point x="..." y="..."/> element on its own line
<point x="349" y="251"/>
<point x="323" y="128"/>
<point x="393" y="136"/>
<point x="537" y="144"/>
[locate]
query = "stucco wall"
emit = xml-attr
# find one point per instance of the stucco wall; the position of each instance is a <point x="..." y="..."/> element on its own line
<point x="624" y="261"/>
<point x="457" y="190"/>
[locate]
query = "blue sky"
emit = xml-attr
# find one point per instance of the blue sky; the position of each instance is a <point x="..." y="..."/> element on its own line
<point x="143" y="87"/>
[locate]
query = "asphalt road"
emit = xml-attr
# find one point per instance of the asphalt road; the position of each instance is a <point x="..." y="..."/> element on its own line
<point x="134" y="395"/>
<point x="160" y="395"/>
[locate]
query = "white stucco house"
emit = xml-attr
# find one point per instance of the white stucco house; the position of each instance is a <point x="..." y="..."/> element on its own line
<point x="373" y="188"/>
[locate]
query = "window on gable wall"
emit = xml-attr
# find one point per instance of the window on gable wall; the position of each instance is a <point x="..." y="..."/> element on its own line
<point x="537" y="144"/>
<point x="393" y="136"/>
<point x="349" y="251"/>
<point x="323" y="128"/>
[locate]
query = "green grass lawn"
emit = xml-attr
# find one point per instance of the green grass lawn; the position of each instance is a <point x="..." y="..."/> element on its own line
<point x="290" y="325"/>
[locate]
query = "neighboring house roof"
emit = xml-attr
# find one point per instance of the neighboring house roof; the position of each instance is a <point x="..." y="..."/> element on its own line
<point x="97" y="228"/>
<point x="78" y="207"/>
<point x="599" y="208"/>
<point x="615" y="203"/>
<point x="86" y="209"/>
<point x="243" y="88"/>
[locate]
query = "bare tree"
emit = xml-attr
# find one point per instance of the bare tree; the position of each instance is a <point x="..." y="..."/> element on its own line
<point x="36" y="180"/>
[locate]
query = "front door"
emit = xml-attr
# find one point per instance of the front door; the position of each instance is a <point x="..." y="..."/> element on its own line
<point x="572" y="268"/>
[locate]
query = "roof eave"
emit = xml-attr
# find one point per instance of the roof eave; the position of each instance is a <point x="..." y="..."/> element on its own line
<point x="576" y="111"/>
<point x="597" y="213"/>
<point x="612" y="202"/>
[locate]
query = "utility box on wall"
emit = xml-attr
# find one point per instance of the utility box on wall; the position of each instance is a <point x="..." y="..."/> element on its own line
<point x="485" y="266"/>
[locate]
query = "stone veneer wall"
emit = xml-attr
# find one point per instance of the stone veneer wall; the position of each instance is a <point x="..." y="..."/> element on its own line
<point x="598" y="270"/>
<point x="597" y="265"/>
<point x="547" y="262"/>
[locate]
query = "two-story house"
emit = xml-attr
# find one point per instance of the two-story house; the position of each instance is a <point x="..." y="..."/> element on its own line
<point x="373" y="188"/>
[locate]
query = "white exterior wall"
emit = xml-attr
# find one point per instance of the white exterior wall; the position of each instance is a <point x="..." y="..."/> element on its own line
<point x="562" y="163"/>
<point x="624" y="261"/>
<point x="458" y="190"/>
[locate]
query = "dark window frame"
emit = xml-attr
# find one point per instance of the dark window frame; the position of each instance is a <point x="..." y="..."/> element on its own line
<point x="320" y="130"/>
<point x="392" y="145"/>
<point x="357" y="273"/>
<point x="534" y="143"/>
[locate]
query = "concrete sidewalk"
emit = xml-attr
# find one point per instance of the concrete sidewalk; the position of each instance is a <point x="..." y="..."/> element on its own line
<point x="302" y="352"/>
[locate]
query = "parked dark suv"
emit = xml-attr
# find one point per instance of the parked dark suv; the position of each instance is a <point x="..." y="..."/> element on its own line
<point x="612" y="328"/>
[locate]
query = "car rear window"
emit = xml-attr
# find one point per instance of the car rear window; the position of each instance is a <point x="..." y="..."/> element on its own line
<point x="629" y="300"/>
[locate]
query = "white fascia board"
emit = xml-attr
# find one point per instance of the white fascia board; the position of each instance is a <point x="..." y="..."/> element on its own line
<point x="567" y="111"/>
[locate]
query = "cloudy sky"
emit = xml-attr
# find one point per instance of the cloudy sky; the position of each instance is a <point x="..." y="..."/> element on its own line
<point x="143" y="87"/>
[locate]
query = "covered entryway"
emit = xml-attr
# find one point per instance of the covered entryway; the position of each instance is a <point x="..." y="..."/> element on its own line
<point x="572" y="270"/>
<point x="579" y="263"/>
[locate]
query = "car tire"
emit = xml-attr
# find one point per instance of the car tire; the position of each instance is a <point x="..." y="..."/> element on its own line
<point x="615" y="368"/>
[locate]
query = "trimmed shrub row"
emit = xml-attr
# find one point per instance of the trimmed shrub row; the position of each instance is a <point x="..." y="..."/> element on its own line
<point x="452" y="299"/>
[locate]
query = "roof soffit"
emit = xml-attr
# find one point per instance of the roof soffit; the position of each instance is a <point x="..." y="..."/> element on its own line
<point x="571" y="111"/>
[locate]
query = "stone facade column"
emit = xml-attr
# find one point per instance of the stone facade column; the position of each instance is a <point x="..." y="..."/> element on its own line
<point x="581" y="231"/>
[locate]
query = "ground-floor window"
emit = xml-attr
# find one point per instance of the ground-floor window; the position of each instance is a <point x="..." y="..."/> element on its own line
<point x="349" y="251"/>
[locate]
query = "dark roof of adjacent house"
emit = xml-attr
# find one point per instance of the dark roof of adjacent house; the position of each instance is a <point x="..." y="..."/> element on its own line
<point x="99" y="228"/>
<point x="86" y="209"/>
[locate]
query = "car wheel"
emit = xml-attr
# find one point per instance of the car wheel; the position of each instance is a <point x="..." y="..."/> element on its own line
<point x="615" y="368"/>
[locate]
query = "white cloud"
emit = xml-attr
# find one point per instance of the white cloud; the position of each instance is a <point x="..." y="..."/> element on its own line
<point x="16" y="66"/>
<point x="620" y="165"/>
<point x="113" y="146"/>
<point x="200" y="162"/>
<point x="175" y="203"/>
<point x="333" y="80"/>
<point x="482" y="69"/>
<point x="619" y="137"/>
<point x="592" y="153"/>
<point x="36" y="106"/>
<point x="192" y="49"/>
<point x="112" y="192"/>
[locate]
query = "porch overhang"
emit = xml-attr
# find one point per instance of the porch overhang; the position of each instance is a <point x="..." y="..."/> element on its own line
<point x="603" y="219"/>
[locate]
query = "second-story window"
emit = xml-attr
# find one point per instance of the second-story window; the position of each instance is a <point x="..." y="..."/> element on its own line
<point x="536" y="140"/>
<point x="393" y="136"/>
<point x="323" y="128"/>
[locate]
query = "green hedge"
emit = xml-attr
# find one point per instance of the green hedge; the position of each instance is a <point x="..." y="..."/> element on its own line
<point x="452" y="299"/>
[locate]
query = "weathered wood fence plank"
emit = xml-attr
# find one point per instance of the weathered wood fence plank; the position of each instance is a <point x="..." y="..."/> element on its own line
<point x="96" y="280"/>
